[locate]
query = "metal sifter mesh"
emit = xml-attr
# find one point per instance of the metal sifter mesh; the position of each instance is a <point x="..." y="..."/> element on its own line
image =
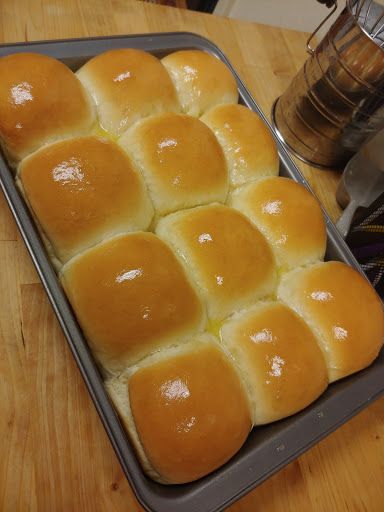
<point x="370" y="16"/>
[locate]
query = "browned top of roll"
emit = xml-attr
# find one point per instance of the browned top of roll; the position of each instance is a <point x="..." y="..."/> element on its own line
<point x="128" y="84"/>
<point x="288" y="215"/>
<point x="131" y="297"/>
<point x="279" y="356"/>
<point x="248" y="145"/>
<point x="229" y="258"/>
<point x="181" y="160"/>
<point x="190" y="411"/>
<point x="202" y="81"/>
<point x="84" y="190"/>
<point x="41" y="100"/>
<point x="343" y="310"/>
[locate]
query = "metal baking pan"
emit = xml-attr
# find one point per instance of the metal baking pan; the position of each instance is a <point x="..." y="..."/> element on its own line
<point x="268" y="448"/>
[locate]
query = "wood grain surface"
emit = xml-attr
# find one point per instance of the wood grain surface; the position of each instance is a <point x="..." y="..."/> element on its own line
<point x="54" y="453"/>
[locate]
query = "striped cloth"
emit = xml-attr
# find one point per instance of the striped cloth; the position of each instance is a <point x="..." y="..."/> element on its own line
<point x="366" y="241"/>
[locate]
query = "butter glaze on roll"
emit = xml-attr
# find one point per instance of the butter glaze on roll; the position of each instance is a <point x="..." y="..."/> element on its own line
<point x="288" y="215"/>
<point x="188" y="410"/>
<point x="180" y="159"/>
<point x="131" y="297"/>
<point x="201" y="80"/>
<point x="82" y="191"/>
<point x="248" y="145"/>
<point x="41" y="101"/>
<point x="342" y="309"/>
<point x="278" y="355"/>
<point x="127" y="85"/>
<point x="227" y="256"/>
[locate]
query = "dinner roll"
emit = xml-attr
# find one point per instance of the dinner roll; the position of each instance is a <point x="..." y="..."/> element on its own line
<point x="188" y="410"/>
<point x="342" y="309"/>
<point x="280" y="358"/>
<point x="249" y="147"/>
<point x="131" y="297"/>
<point x="181" y="161"/>
<point x="82" y="191"/>
<point x="228" y="257"/>
<point x="201" y="80"/>
<point x="288" y="215"/>
<point x="127" y="85"/>
<point x="41" y="100"/>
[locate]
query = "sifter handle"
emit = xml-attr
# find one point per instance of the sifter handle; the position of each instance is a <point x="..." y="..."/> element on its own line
<point x="344" y="223"/>
<point x="328" y="3"/>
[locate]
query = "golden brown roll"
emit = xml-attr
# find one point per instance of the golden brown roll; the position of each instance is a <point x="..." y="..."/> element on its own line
<point x="249" y="147"/>
<point x="41" y="100"/>
<point x="181" y="161"/>
<point x="288" y="215"/>
<point x="186" y="409"/>
<point x="131" y="297"/>
<point x="127" y="85"/>
<point x="82" y="191"/>
<point x="279" y="357"/>
<point x="342" y="309"/>
<point x="201" y="80"/>
<point x="229" y="258"/>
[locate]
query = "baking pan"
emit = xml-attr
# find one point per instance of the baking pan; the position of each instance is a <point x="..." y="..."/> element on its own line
<point x="268" y="448"/>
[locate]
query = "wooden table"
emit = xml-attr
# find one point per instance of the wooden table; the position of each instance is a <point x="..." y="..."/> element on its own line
<point x="54" y="453"/>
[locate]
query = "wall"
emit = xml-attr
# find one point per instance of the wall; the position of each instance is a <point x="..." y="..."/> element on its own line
<point x="302" y="15"/>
